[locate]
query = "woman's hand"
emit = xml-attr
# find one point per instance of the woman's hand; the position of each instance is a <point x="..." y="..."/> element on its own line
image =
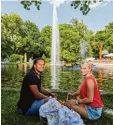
<point x="70" y="94"/>
<point x="70" y="103"/>
<point x="77" y="97"/>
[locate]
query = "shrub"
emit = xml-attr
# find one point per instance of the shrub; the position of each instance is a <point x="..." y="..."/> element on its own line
<point x="16" y="58"/>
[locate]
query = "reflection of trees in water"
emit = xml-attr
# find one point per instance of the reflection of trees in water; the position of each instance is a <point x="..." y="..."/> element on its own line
<point x="24" y="67"/>
<point x="105" y="78"/>
<point x="20" y="67"/>
<point x="100" y="77"/>
<point x="12" y="76"/>
<point x="70" y="80"/>
<point x="46" y="78"/>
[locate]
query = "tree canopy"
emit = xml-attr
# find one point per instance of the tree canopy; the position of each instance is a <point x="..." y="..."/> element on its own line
<point x="83" y="5"/>
<point x="19" y="37"/>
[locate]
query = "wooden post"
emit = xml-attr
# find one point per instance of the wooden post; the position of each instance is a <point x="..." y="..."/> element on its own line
<point x="100" y="51"/>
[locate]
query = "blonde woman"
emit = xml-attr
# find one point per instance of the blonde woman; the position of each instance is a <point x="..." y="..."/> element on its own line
<point x="88" y="104"/>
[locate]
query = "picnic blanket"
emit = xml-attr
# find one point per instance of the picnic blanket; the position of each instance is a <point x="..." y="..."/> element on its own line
<point x="58" y="114"/>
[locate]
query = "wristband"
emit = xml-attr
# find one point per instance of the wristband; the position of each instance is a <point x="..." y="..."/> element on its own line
<point x="77" y="102"/>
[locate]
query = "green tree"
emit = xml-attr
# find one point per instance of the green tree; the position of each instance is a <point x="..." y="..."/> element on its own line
<point x="27" y="4"/>
<point x="45" y="41"/>
<point x="19" y="37"/>
<point x="109" y="40"/>
<point x="83" y="5"/>
<point x="90" y="37"/>
<point x="69" y="40"/>
<point x="11" y="26"/>
<point x="106" y="38"/>
<point x="85" y="34"/>
<point x="30" y="43"/>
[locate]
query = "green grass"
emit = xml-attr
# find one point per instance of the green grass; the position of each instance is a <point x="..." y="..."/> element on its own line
<point x="9" y="116"/>
<point x="108" y="100"/>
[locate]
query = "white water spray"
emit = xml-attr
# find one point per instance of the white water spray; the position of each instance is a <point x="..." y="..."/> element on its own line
<point x="55" y="38"/>
<point x="55" y="49"/>
<point x="55" y="52"/>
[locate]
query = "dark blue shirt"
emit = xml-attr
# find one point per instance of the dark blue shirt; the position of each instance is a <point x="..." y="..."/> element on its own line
<point x="26" y="96"/>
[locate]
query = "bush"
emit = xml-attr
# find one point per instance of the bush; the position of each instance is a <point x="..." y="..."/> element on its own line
<point x="48" y="60"/>
<point x="16" y="58"/>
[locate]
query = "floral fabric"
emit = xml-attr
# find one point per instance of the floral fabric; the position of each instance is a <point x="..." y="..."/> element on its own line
<point x="58" y="114"/>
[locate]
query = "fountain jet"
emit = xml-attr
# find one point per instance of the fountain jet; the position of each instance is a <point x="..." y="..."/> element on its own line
<point x="55" y="59"/>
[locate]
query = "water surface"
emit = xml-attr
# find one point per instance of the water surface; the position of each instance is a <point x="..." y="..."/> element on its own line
<point x="69" y="78"/>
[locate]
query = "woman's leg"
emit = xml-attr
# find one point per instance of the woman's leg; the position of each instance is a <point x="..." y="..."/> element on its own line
<point x="81" y="110"/>
<point x="34" y="109"/>
<point x="78" y="108"/>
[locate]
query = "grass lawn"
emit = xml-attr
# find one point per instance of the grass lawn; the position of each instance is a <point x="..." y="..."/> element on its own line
<point x="9" y="116"/>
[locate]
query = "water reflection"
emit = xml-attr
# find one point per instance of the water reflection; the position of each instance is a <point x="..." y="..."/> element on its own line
<point x="69" y="78"/>
<point x="25" y="68"/>
<point x="20" y="67"/>
<point x="104" y="78"/>
<point x="55" y="76"/>
<point x="100" y="77"/>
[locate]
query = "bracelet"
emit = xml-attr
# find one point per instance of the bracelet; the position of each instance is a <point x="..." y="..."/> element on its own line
<point x="77" y="102"/>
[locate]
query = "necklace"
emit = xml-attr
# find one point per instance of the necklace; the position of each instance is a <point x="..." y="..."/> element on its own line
<point x="36" y="74"/>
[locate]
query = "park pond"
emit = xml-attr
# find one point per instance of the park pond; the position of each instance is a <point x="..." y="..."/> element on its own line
<point x="69" y="78"/>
